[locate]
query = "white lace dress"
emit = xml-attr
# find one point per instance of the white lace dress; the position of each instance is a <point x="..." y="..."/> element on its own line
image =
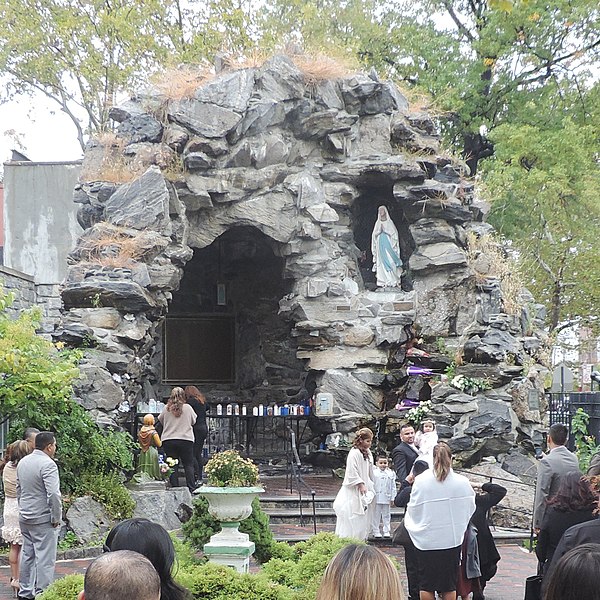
<point x="11" y="532"/>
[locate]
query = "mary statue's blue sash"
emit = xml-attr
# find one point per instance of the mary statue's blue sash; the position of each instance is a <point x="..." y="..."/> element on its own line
<point x="388" y="256"/>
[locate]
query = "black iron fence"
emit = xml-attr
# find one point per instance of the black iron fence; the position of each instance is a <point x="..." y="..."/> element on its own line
<point x="563" y="405"/>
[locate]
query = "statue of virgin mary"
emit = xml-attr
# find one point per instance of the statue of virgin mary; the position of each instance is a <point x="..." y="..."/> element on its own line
<point x="387" y="264"/>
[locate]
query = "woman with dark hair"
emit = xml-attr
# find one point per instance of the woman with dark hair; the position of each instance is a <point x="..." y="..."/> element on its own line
<point x="195" y="398"/>
<point x="441" y="504"/>
<point x="178" y="420"/>
<point x="354" y="502"/>
<point x="153" y="541"/>
<point x="573" y="503"/>
<point x="575" y="576"/>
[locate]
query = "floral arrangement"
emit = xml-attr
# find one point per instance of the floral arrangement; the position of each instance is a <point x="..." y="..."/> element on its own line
<point x="166" y="467"/>
<point x="418" y="413"/>
<point x="230" y="469"/>
<point x="470" y="385"/>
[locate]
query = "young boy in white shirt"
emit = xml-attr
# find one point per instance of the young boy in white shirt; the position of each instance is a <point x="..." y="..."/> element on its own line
<point x="384" y="480"/>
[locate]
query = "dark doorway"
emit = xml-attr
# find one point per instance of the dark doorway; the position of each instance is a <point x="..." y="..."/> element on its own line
<point x="240" y="277"/>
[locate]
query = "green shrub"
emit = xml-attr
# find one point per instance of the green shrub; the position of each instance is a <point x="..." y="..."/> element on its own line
<point x="36" y="390"/>
<point x="216" y="582"/>
<point x="304" y="570"/>
<point x="201" y="526"/>
<point x="585" y="444"/>
<point x="108" y="489"/>
<point x="282" y="550"/>
<point x="66" y="588"/>
<point x="186" y="554"/>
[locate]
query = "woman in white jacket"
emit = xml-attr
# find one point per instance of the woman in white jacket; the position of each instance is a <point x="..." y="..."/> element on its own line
<point x="441" y="504"/>
<point x="354" y="503"/>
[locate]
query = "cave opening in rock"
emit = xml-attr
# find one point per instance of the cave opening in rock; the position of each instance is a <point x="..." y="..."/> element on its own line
<point x="229" y="298"/>
<point x="378" y="190"/>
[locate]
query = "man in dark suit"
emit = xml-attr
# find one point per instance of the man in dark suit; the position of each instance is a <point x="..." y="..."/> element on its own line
<point x="584" y="533"/>
<point x="405" y="453"/>
<point x="559" y="461"/>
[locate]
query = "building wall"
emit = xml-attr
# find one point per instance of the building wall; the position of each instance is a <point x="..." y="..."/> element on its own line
<point x="40" y="224"/>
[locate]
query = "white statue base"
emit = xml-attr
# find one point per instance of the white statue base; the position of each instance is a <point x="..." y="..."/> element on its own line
<point x="230" y="547"/>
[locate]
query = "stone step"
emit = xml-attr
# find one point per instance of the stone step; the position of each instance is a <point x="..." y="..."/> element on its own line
<point x="323" y="515"/>
<point x="293" y="533"/>
<point x="293" y="502"/>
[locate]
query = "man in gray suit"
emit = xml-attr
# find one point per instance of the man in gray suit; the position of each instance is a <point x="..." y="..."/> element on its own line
<point x="556" y="463"/>
<point x="40" y="511"/>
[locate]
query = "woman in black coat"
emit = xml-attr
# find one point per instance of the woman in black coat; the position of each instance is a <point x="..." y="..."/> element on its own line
<point x="490" y="495"/>
<point x="573" y="503"/>
<point x="195" y="398"/>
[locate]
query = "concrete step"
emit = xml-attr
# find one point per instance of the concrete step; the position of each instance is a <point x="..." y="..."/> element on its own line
<point x="323" y="515"/>
<point x="293" y="533"/>
<point x="291" y="503"/>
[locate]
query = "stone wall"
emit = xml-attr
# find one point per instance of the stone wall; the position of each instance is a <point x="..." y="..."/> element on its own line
<point x="284" y="174"/>
<point x="27" y="294"/>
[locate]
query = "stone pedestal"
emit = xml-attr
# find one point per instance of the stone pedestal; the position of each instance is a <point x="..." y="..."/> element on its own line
<point x="230" y="505"/>
<point x="230" y="547"/>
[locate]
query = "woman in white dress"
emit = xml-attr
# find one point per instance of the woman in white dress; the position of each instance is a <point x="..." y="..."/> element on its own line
<point x="353" y="505"/>
<point x="11" y="531"/>
<point x="385" y="247"/>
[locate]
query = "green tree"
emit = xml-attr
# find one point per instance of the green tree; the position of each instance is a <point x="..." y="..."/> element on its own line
<point x="515" y="85"/>
<point x="82" y="53"/>
<point x="36" y="380"/>
<point x="473" y="57"/>
<point x="544" y="184"/>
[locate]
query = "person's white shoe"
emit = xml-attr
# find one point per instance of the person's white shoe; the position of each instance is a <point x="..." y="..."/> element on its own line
<point x="376" y="535"/>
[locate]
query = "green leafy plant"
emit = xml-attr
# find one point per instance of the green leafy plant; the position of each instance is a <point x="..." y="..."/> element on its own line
<point x="223" y="583"/>
<point x="66" y="588"/>
<point x="108" y="489"/>
<point x="201" y="526"/>
<point x="230" y="469"/>
<point x="585" y="444"/>
<point x="36" y="390"/>
<point x="304" y="569"/>
<point x="450" y="371"/>
<point x="69" y="541"/>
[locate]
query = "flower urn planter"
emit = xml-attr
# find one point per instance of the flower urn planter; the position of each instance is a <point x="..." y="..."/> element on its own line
<point x="230" y="505"/>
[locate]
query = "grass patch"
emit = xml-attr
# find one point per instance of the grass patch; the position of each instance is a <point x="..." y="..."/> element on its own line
<point x="112" y="246"/>
<point x="488" y="258"/>
<point x="112" y="165"/>
<point x="181" y="83"/>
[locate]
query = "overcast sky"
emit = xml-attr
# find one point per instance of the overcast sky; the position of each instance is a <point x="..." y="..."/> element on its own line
<point x="45" y="132"/>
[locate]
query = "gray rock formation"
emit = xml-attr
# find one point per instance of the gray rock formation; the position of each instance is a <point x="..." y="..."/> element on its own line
<point x="90" y="522"/>
<point x="274" y="207"/>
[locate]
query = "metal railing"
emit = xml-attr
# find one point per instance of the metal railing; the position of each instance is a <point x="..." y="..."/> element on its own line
<point x="295" y="474"/>
<point x="563" y="405"/>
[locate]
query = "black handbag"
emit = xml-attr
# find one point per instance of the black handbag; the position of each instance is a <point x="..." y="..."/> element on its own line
<point x="533" y="588"/>
<point x="400" y="536"/>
